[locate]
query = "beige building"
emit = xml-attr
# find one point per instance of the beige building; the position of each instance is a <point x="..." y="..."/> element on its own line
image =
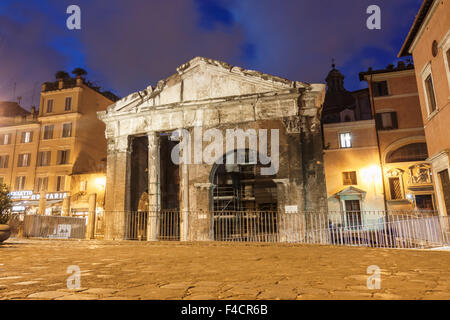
<point x="352" y="164"/>
<point x="352" y="167"/>
<point x="428" y="42"/>
<point x="58" y="153"/>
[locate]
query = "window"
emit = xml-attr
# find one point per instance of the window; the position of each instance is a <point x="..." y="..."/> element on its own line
<point x="50" y="106"/>
<point x="448" y="60"/>
<point x="48" y="132"/>
<point x="83" y="185"/>
<point x="42" y="184"/>
<point x="20" y="183"/>
<point x="44" y="158"/>
<point x="410" y="153"/>
<point x="396" y="188"/>
<point x="24" y="160"/>
<point x="67" y="130"/>
<point x="4" y="160"/>
<point x="353" y="213"/>
<point x="68" y="105"/>
<point x="6" y="139"/>
<point x="445" y="185"/>
<point x="429" y="87"/>
<point x="63" y="156"/>
<point x="345" y="140"/>
<point x="387" y="121"/>
<point x="380" y="89"/>
<point x="26" y="137"/>
<point x="349" y="178"/>
<point x="60" y="183"/>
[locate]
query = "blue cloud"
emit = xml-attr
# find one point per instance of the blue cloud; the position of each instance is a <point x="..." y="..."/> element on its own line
<point x="213" y="13"/>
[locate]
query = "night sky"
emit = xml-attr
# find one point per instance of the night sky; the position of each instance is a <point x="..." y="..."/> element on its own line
<point x="126" y="45"/>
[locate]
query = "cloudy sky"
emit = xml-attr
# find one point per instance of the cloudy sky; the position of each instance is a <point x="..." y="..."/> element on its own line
<point x="127" y="45"/>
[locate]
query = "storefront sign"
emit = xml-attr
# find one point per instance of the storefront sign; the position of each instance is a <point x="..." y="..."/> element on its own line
<point x="29" y="195"/>
<point x="18" y="208"/>
<point x="21" y="195"/>
<point x="51" y="196"/>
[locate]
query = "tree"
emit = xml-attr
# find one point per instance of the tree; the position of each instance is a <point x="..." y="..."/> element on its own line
<point x="79" y="72"/>
<point x="5" y="204"/>
<point x="61" y="75"/>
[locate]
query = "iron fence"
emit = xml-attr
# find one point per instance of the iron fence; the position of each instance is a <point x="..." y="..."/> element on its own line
<point x="393" y="229"/>
<point x="164" y="225"/>
<point x="54" y="227"/>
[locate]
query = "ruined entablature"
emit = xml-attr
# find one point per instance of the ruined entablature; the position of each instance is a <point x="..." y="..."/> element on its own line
<point x="210" y="93"/>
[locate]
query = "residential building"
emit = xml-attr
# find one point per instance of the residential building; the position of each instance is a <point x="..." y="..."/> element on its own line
<point x="44" y="155"/>
<point x="401" y="141"/>
<point x="428" y="41"/>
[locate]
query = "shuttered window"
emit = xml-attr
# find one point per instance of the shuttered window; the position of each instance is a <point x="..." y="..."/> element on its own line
<point x="44" y="158"/>
<point x="380" y="89"/>
<point x="386" y="121"/>
<point x="60" y="183"/>
<point x="26" y="137"/>
<point x="349" y="178"/>
<point x="42" y="184"/>
<point x="24" y="160"/>
<point x="429" y="87"/>
<point x="4" y="161"/>
<point x="20" y="183"/>
<point x="48" y="132"/>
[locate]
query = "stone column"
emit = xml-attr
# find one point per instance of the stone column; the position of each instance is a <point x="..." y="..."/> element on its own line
<point x="154" y="186"/>
<point x="42" y="203"/>
<point x="66" y="207"/>
<point x="90" y="235"/>
<point x="184" y="188"/>
<point x="117" y="187"/>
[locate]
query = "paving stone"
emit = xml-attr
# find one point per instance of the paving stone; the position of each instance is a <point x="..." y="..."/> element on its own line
<point x="101" y="291"/>
<point x="220" y="271"/>
<point x="47" y="295"/>
<point x="26" y="283"/>
<point x="78" y="297"/>
<point x="11" y="278"/>
<point x="177" y="285"/>
<point x="200" y="297"/>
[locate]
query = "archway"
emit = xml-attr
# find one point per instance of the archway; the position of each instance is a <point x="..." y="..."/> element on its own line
<point x="243" y="202"/>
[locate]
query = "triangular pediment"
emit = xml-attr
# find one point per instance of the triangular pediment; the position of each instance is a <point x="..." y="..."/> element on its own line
<point x="203" y="79"/>
<point x="351" y="191"/>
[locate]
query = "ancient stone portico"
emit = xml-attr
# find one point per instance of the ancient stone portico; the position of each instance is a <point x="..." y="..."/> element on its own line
<point x="208" y="94"/>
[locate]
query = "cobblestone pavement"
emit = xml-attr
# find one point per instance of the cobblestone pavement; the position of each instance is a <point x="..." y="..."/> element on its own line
<point x="37" y="269"/>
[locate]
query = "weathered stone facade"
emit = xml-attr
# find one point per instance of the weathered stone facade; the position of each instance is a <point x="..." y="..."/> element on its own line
<point x="211" y="94"/>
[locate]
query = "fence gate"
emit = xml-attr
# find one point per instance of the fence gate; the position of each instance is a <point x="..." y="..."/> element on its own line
<point x="167" y="225"/>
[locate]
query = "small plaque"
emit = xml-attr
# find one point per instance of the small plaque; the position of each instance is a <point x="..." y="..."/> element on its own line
<point x="291" y="209"/>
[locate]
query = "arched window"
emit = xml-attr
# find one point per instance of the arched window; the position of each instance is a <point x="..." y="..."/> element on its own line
<point x="409" y="153"/>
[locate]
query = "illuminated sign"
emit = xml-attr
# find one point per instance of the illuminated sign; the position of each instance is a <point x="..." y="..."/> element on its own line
<point x="18" y="208"/>
<point x="51" y="196"/>
<point x="29" y="195"/>
<point x="21" y="195"/>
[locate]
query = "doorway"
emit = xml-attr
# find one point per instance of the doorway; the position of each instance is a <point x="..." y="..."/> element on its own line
<point x="445" y="185"/>
<point x="353" y="213"/>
